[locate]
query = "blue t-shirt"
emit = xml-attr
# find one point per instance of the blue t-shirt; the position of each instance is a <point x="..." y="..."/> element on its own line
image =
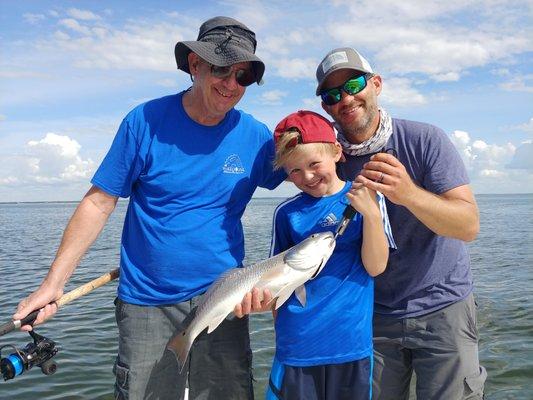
<point x="428" y="271"/>
<point x="188" y="186"/>
<point x="335" y="326"/>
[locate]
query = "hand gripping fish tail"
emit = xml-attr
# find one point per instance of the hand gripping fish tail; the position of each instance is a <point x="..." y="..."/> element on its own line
<point x="281" y="274"/>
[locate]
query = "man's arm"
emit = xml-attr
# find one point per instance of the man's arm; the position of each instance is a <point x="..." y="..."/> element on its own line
<point x="453" y="213"/>
<point x="82" y="230"/>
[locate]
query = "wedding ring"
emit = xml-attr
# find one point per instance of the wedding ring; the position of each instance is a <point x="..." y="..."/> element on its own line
<point x="380" y="179"/>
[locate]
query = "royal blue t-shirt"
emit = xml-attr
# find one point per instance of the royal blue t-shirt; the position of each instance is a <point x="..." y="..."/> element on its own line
<point x="335" y="326"/>
<point x="188" y="186"/>
<point x="427" y="272"/>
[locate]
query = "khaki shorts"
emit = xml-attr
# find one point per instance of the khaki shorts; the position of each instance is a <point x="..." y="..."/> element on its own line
<point x="219" y="364"/>
<point x="440" y="347"/>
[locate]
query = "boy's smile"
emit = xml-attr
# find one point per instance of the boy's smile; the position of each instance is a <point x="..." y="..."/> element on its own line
<point x="312" y="169"/>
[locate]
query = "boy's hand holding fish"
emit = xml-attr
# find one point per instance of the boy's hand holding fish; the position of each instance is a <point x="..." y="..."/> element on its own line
<point x="364" y="200"/>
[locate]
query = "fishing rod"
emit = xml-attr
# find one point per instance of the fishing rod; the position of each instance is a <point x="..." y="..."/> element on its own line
<point x="41" y="350"/>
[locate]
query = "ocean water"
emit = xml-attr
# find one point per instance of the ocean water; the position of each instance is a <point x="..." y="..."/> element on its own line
<point x="502" y="261"/>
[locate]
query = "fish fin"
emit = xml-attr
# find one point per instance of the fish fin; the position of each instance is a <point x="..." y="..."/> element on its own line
<point x="215" y="322"/>
<point x="283" y="295"/>
<point x="180" y="345"/>
<point x="301" y="295"/>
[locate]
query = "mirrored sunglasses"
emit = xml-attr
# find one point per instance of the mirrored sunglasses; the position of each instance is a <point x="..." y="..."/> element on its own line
<point x="244" y="77"/>
<point x="351" y="86"/>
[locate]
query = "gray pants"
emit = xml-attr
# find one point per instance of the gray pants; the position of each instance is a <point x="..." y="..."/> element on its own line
<point x="441" y="348"/>
<point x="219" y="364"/>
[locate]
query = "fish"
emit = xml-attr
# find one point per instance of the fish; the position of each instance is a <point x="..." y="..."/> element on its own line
<point x="282" y="274"/>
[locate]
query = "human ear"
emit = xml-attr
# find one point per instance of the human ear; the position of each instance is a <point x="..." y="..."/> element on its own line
<point x="338" y="154"/>
<point x="194" y="63"/>
<point x="377" y="83"/>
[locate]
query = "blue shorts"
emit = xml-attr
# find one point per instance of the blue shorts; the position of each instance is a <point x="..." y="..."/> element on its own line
<point x="347" y="381"/>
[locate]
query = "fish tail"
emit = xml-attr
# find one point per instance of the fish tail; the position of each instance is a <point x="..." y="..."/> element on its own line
<point x="180" y="345"/>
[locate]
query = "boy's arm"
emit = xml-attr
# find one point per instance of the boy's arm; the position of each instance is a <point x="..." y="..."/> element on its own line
<point x="375" y="246"/>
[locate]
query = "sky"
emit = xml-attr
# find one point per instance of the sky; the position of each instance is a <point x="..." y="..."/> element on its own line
<point x="71" y="70"/>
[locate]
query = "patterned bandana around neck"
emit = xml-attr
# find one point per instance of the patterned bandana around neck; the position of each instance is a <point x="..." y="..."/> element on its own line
<point x="371" y="145"/>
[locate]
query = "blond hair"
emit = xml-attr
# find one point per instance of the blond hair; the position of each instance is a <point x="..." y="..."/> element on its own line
<point x="285" y="147"/>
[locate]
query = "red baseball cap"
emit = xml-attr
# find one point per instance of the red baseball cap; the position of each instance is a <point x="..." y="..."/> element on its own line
<point x="313" y="127"/>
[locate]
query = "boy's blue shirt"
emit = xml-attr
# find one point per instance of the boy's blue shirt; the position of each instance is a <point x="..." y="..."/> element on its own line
<point x="188" y="186"/>
<point x="335" y="326"/>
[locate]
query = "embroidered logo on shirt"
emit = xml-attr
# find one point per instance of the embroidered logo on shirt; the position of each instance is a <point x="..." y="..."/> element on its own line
<point x="233" y="165"/>
<point x="330" y="220"/>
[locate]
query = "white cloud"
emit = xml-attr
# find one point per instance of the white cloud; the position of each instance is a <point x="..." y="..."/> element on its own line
<point x="82" y="14"/>
<point x="272" y="97"/>
<point x="296" y="68"/>
<point x="33" y="18"/>
<point x="75" y="26"/>
<point x="526" y="127"/>
<point x="482" y="159"/>
<point x="434" y="39"/>
<point x="496" y="168"/>
<point x="54" y="159"/>
<point x="170" y="83"/>
<point x="519" y="83"/>
<point x="523" y="157"/>
<point x="401" y="92"/>
<point x="137" y="46"/>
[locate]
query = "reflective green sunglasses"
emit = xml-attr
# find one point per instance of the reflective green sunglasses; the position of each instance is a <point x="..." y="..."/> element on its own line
<point x="351" y="86"/>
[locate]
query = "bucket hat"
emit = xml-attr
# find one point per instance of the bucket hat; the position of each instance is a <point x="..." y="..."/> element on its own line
<point x="222" y="41"/>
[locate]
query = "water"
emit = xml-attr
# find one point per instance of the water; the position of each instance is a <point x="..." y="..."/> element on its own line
<point x="85" y="329"/>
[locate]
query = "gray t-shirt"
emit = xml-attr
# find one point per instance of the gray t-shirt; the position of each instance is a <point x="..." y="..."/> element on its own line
<point x="427" y="272"/>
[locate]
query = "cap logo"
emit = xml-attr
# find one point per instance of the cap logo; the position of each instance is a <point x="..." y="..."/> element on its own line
<point x="334" y="59"/>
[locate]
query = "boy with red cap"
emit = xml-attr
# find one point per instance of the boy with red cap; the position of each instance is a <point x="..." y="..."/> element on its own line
<point x="324" y="348"/>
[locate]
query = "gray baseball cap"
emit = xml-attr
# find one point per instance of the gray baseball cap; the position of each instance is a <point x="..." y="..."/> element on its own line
<point x="222" y="41"/>
<point x="341" y="58"/>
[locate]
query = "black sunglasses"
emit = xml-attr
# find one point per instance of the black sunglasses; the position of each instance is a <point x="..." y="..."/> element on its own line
<point x="244" y="77"/>
<point x="352" y="86"/>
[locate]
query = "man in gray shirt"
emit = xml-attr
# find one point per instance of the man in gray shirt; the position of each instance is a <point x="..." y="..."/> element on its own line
<point x="425" y="319"/>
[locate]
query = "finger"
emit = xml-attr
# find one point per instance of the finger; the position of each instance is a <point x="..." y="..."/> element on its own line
<point x="359" y="179"/>
<point x="38" y="319"/>
<point x="256" y="299"/>
<point x="267" y="297"/>
<point x="378" y="166"/>
<point x="356" y="185"/>
<point x="247" y="303"/>
<point x="371" y="184"/>
<point x="386" y="158"/>
<point x="21" y="310"/>
<point x="376" y="176"/>
<point x="238" y="311"/>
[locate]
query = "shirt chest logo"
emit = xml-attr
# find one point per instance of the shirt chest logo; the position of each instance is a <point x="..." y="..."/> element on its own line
<point x="329" y="220"/>
<point x="233" y="165"/>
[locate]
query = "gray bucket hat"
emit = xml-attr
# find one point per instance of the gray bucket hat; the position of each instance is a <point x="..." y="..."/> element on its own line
<point x="222" y="41"/>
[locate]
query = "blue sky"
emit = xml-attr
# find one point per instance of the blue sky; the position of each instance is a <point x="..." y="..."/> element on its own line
<point x="70" y="71"/>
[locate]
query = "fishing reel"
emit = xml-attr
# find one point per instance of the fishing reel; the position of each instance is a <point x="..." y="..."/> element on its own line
<point x="39" y="353"/>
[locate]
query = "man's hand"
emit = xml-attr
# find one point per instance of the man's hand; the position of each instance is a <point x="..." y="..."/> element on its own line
<point x="254" y="302"/>
<point x="40" y="299"/>
<point x="386" y="173"/>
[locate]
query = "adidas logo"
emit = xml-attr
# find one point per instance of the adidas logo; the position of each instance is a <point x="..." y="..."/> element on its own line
<point x="330" y="220"/>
